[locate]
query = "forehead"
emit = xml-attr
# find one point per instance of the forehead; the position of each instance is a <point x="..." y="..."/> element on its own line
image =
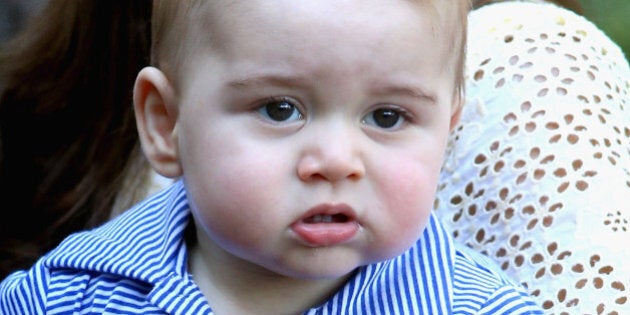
<point x="173" y="19"/>
<point x="308" y="21"/>
<point x="441" y="11"/>
<point x="219" y="23"/>
<point x="189" y="25"/>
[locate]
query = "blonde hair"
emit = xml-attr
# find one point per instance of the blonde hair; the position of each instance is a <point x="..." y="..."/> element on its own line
<point x="174" y="23"/>
<point x="171" y="27"/>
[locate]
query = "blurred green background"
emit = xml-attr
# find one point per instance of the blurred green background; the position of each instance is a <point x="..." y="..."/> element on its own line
<point x="612" y="17"/>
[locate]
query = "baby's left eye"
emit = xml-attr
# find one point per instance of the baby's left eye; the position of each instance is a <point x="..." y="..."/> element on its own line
<point x="385" y="118"/>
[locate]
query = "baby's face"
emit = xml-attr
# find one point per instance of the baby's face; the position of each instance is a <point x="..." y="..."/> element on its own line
<point x="311" y="136"/>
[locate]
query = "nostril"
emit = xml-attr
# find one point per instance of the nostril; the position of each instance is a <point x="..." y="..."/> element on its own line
<point x="330" y="165"/>
<point x="331" y="173"/>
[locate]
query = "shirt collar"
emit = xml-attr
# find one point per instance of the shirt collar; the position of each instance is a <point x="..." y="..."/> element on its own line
<point x="143" y="243"/>
<point x="147" y="243"/>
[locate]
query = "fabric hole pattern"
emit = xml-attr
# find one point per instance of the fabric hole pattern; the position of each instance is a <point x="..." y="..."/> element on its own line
<point x="537" y="175"/>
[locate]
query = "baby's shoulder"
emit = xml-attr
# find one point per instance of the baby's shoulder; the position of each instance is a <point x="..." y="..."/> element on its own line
<point x="42" y="289"/>
<point x="481" y="287"/>
<point x="119" y="261"/>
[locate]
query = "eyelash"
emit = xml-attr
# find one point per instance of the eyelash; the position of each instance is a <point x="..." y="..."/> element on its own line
<point x="402" y="116"/>
<point x="264" y="110"/>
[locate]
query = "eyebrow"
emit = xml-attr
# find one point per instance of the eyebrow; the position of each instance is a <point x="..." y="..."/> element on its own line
<point x="416" y="92"/>
<point x="292" y="82"/>
<point x="272" y="79"/>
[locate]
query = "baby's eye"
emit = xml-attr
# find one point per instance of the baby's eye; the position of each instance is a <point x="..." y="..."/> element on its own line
<point x="280" y="111"/>
<point x="386" y="118"/>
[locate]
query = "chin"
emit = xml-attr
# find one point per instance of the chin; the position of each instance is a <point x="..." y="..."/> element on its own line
<point x="324" y="271"/>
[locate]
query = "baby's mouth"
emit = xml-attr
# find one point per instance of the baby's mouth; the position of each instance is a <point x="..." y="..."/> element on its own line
<point x="326" y="225"/>
<point x="324" y="218"/>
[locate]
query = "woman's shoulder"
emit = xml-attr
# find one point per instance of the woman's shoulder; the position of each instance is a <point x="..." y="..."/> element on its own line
<point x="526" y="45"/>
<point x="534" y="25"/>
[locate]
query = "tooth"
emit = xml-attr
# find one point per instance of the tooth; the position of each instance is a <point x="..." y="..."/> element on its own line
<point x="321" y="218"/>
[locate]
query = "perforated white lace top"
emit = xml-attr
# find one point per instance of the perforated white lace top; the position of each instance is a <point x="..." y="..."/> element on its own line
<point x="538" y="171"/>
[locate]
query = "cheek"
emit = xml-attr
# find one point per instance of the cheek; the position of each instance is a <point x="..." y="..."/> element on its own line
<point x="411" y="180"/>
<point x="407" y="194"/>
<point x="230" y="211"/>
<point x="236" y="194"/>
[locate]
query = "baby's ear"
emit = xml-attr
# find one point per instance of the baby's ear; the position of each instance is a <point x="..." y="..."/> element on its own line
<point x="156" y="119"/>
<point x="456" y="110"/>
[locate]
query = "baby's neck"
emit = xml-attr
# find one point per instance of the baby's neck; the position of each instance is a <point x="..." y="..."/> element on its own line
<point x="235" y="288"/>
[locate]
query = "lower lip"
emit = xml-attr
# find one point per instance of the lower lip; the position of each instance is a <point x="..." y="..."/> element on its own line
<point x="325" y="234"/>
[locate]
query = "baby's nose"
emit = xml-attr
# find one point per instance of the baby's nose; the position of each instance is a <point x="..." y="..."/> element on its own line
<point x="332" y="156"/>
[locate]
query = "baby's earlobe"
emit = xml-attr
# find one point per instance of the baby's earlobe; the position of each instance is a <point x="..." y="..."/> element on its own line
<point x="456" y="113"/>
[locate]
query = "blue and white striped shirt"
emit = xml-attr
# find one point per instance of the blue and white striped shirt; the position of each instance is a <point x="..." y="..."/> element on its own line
<point x="136" y="264"/>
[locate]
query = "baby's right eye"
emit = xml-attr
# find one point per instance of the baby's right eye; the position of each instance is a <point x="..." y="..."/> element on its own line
<point x="280" y="111"/>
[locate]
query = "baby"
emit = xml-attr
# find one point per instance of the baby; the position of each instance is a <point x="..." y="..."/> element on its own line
<point x="307" y="138"/>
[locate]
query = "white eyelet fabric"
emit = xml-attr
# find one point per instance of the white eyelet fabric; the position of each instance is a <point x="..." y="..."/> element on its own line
<point x="537" y="175"/>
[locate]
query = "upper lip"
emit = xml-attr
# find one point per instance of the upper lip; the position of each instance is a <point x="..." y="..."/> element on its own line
<point x="339" y="212"/>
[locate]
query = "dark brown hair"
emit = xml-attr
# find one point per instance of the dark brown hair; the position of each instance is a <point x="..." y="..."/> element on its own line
<point x="67" y="130"/>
